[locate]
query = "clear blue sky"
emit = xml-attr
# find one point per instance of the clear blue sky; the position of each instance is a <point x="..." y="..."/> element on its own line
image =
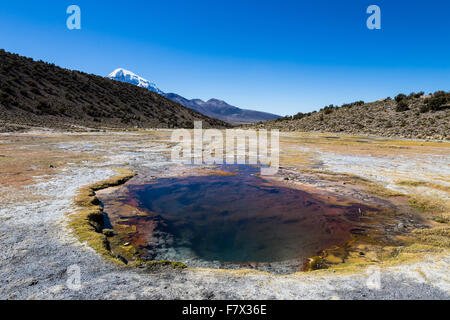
<point x="276" y="56"/>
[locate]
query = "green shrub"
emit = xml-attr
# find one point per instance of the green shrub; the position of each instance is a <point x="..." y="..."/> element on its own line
<point x="400" y="97"/>
<point x="424" y="109"/>
<point x="440" y="100"/>
<point x="36" y="91"/>
<point x="402" y="106"/>
<point x="45" y="107"/>
<point x="297" y="116"/>
<point x="329" y="109"/>
<point x="416" y="95"/>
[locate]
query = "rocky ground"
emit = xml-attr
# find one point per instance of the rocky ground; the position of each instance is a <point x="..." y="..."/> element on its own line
<point x="42" y="171"/>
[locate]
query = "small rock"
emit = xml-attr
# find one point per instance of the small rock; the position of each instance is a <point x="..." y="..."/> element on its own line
<point x="125" y="261"/>
<point x="33" y="282"/>
<point x="126" y="244"/>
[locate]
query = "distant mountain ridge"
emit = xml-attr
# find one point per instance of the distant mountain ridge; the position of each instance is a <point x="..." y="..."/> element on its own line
<point x="221" y="110"/>
<point x="213" y="108"/>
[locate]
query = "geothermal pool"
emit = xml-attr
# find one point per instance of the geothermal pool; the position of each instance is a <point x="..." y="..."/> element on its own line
<point x="234" y="218"/>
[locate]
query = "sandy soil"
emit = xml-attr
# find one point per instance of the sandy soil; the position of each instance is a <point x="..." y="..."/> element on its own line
<point x="42" y="171"/>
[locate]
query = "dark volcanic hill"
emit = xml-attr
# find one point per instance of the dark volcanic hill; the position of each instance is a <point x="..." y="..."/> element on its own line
<point x="39" y="94"/>
<point x="221" y="110"/>
<point x="412" y="116"/>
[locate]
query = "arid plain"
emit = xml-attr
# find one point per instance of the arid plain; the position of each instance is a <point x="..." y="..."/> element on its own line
<point x="54" y="185"/>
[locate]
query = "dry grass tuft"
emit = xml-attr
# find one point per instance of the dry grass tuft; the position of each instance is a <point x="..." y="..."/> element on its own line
<point x="432" y="185"/>
<point x="429" y="205"/>
<point x="437" y="237"/>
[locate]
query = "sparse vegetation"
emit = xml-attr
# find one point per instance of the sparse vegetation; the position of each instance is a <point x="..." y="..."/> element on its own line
<point x="424" y="184"/>
<point x="163" y="263"/>
<point x="406" y="116"/>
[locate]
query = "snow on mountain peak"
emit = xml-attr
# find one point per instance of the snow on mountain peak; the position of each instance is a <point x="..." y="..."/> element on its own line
<point x="121" y="72"/>
<point x="124" y="75"/>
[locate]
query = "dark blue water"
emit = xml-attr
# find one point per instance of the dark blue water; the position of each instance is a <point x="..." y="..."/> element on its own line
<point x="241" y="217"/>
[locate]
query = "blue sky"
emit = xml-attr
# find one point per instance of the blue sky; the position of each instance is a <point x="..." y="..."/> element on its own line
<point x="275" y="56"/>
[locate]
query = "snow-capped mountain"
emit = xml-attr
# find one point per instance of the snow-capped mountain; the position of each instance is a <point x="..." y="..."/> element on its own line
<point x="130" y="77"/>
<point x="213" y="108"/>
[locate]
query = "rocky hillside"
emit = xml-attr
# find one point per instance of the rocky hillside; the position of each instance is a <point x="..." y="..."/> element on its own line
<point x="412" y="116"/>
<point x="39" y="94"/>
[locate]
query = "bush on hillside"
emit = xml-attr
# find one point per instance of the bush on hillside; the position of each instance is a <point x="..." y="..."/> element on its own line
<point x="440" y="100"/>
<point x="400" y="97"/>
<point x="353" y="104"/>
<point x="329" y="109"/>
<point x="402" y="106"/>
<point x="416" y="95"/>
<point x="298" y="116"/>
